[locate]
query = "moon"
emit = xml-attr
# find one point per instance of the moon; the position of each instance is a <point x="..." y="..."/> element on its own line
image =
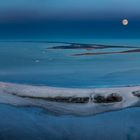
<point x="125" y="22"/>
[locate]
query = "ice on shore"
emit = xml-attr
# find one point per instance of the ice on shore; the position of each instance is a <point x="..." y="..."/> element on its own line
<point x="70" y="101"/>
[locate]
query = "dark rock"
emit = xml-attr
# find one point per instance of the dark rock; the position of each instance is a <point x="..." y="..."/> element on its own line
<point x="136" y="93"/>
<point x="107" y="99"/>
<point x="99" y="99"/>
<point x="69" y="99"/>
<point x="114" y="97"/>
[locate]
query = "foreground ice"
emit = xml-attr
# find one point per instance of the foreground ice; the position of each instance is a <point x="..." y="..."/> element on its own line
<point x="70" y="101"/>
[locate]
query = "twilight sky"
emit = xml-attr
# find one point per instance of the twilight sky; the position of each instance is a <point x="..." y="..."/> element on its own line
<point x="69" y="9"/>
<point x="45" y="17"/>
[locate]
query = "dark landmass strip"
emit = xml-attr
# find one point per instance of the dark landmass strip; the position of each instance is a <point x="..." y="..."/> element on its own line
<point x="131" y="51"/>
<point x="101" y="53"/>
<point x="88" y="46"/>
<point x="98" y="98"/>
<point x="58" y="98"/>
<point x="73" y="43"/>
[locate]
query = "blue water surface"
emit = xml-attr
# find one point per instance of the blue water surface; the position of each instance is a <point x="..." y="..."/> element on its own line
<point x="33" y="63"/>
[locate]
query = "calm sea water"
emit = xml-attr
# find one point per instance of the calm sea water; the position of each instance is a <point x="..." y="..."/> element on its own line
<point x="33" y="63"/>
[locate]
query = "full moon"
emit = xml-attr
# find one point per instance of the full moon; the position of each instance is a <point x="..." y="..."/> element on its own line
<point x="125" y="22"/>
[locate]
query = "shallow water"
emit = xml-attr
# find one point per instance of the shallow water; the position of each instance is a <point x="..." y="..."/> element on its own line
<point x="35" y="124"/>
<point x="33" y="63"/>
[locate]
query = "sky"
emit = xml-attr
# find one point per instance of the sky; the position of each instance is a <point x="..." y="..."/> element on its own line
<point x="67" y="9"/>
<point x="47" y="18"/>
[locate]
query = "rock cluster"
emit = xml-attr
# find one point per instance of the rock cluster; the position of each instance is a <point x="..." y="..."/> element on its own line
<point x="114" y="97"/>
<point x="98" y="98"/>
<point x="136" y="93"/>
<point x="69" y="99"/>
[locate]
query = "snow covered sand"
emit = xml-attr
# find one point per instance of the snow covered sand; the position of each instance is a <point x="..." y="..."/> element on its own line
<point x="70" y="101"/>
